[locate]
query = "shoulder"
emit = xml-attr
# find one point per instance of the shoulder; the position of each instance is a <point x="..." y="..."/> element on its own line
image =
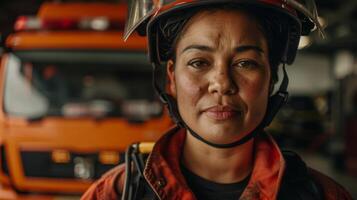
<point x="330" y="189"/>
<point x="297" y="183"/>
<point x="105" y="187"/>
<point x="306" y="183"/>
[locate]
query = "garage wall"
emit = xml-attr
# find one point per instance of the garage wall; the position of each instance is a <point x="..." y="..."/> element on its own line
<point x="310" y="74"/>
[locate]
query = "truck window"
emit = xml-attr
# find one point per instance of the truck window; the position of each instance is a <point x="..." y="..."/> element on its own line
<point x="79" y="84"/>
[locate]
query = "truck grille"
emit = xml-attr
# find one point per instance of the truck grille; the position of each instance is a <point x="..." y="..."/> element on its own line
<point x="39" y="164"/>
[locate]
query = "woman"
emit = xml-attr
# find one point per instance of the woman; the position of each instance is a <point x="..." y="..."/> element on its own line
<point x="220" y="60"/>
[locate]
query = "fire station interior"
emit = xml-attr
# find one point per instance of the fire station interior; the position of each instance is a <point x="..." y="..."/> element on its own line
<point x="319" y="120"/>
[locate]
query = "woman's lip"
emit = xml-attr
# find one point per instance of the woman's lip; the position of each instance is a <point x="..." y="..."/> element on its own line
<point x="221" y="108"/>
<point x="221" y="112"/>
<point x="221" y="115"/>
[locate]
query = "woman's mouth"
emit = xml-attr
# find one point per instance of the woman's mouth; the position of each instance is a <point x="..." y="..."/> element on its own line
<point x="221" y="113"/>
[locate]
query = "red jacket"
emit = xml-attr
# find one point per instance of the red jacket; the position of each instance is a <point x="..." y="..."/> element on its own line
<point x="163" y="174"/>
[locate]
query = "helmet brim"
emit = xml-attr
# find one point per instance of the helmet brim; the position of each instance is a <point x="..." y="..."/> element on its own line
<point x="294" y="29"/>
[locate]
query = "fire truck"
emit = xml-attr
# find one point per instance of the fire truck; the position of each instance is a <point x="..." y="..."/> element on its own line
<point x="73" y="96"/>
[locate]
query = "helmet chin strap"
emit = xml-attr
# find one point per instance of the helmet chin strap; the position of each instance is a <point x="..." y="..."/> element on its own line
<point x="274" y="104"/>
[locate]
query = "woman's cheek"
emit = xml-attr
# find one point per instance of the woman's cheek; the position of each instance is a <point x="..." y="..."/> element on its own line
<point x="254" y="87"/>
<point x="189" y="89"/>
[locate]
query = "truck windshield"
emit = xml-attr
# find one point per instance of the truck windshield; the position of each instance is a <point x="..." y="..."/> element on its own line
<point x="79" y="84"/>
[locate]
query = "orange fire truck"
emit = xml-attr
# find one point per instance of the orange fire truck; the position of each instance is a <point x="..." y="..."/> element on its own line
<point x="73" y="96"/>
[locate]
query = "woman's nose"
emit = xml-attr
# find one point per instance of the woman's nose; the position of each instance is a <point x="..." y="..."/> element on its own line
<point x="222" y="82"/>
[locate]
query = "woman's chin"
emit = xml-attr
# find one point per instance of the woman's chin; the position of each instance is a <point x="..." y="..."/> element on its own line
<point x="222" y="135"/>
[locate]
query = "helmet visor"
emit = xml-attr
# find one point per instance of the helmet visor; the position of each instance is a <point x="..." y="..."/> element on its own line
<point x="138" y="12"/>
<point x="308" y="8"/>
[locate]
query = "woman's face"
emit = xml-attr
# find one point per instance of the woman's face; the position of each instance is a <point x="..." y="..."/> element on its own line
<point x="221" y="75"/>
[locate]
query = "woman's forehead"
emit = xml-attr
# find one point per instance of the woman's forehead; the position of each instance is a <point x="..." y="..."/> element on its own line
<point x="222" y="28"/>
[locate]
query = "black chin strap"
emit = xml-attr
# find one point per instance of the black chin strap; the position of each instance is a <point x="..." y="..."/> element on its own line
<point x="277" y="100"/>
<point x="229" y="145"/>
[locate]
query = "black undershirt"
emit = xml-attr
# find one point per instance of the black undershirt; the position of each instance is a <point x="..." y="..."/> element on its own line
<point x="208" y="190"/>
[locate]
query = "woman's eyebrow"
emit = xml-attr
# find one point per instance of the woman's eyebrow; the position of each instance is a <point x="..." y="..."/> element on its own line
<point x="198" y="47"/>
<point x="238" y="49"/>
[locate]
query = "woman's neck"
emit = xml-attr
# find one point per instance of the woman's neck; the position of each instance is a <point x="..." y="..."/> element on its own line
<point x="218" y="165"/>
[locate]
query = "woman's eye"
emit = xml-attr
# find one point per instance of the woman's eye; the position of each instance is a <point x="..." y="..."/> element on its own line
<point x="247" y="64"/>
<point x="198" y="64"/>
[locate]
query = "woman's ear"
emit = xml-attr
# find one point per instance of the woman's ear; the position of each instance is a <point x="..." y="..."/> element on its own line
<point x="170" y="70"/>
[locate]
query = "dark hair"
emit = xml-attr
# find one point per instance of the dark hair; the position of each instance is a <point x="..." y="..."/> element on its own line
<point x="272" y="26"/>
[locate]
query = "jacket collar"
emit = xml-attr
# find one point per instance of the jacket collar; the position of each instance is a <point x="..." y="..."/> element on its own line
<point x="163" y="173"/>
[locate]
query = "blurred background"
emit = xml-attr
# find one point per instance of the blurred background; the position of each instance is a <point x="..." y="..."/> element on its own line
<point x="74" y="96"/>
